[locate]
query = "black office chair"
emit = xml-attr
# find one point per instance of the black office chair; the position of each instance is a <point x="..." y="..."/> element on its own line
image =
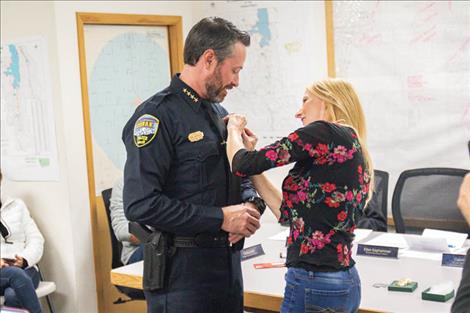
<point x="116" y="248"/>
<point x="426" y="198"/>
<point x="381" y="190"/>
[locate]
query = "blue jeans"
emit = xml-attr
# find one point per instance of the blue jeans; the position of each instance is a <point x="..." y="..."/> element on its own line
<point x="325" y="292"/>
<point x="18" y="286"/>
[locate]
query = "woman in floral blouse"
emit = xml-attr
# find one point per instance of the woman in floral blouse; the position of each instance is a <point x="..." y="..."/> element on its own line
<point x="322" y="196"/>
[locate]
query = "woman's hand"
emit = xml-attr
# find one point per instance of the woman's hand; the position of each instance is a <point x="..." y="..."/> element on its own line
<point x="249" y="139"/>
<point x="236" y="121"/>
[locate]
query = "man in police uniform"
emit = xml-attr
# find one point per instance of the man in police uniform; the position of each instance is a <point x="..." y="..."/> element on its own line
<point x="178" y="180"/>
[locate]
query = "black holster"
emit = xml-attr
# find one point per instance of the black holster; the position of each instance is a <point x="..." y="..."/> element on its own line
<point x="156" y="257"/>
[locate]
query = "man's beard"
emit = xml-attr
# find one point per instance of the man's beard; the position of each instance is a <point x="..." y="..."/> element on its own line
<point x="215" y="91"/>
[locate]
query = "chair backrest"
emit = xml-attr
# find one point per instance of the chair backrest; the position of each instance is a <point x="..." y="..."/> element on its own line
<point x="116" y="245"/>
<point x="381" y="190"/>
<point x="426" y="198"/>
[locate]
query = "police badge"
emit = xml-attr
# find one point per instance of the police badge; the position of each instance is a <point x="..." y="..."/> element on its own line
<point x="145" y="130"/>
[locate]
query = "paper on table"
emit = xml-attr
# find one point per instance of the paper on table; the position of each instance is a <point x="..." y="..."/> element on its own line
<point x="454" y="239"/>
<point x="422" y="243"/>
<point x="281" y="236"/>
<point x="388" y="240"/>
<point x="407" y="253"/>
<point x="361" y="233"/>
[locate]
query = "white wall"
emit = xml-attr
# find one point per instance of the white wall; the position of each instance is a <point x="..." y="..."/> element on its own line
<point x="47" y="201"/>
<point x="61" y="208"/>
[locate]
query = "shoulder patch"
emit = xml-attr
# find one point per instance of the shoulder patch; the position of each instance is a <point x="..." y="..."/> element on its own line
<point x="145" y="130"/>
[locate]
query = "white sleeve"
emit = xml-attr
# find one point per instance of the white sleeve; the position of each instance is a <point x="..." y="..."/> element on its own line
<point x="34" y="241"/>
<point x="119" y="221"/>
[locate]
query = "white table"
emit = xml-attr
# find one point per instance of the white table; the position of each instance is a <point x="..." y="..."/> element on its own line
<point x="264" y="288"/>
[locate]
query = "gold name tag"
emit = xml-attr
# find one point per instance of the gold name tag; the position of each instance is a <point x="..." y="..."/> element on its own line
<point x="196" y="136"/>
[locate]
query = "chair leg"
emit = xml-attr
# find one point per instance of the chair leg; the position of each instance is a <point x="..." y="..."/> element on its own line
<point x="49" y="303"/>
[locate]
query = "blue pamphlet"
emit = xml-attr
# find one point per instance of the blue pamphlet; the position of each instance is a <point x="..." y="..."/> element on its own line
<point x="252" y="252"/>
<point x="380" y="251"/>
<point x="454" y="260"/>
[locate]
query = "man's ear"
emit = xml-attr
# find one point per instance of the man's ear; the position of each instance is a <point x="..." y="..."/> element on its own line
<point x="209" y="58"/>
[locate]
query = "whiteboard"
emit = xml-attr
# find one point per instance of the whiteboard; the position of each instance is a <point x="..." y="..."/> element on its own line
<point x="410" y="64"/>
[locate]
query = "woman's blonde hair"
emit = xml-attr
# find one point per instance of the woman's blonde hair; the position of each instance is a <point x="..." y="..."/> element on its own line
<point x="342" y="105"/>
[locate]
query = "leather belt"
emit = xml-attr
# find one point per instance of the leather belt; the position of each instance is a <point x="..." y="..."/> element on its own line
<point x="201" y="241"/>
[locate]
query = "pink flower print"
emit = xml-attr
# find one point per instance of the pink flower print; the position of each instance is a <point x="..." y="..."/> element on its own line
<point x="303" y="249"/>
<point x="359" y="169"/>
<point x="307" y="147"/>
<point x="294" y="187"/>
<point x="319" y="240"/>
<point x="338" y="196"/>
<point x="289" y="204"/>
<point x="293" y="137"/>
<point x="328" y="187"/>
<point x="271" y="154"/>
<point x="299" y="224"/>
<point x="284" y="156"/>
<point x="342" y="216"/>
<point x="289" y="240"/>
<point x="321" y="148"/>
<point x="331" y="203"/>
<point x="359" y="197"/>
<point x="365" y="188"/>
<point x="294" y="198"/>
<point x="349" y="195"/>
<point x="295" y="234"/>
<point x="240" y="174"/>
<point x="306" y="183"/>
<point x="302" y="196"/>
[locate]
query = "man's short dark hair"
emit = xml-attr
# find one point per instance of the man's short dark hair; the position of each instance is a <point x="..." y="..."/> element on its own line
<point x="213" y="33"/>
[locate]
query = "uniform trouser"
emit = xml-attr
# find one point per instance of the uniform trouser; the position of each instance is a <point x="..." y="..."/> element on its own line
<point x="18" y="287"/>
<point x="201" y="280"/>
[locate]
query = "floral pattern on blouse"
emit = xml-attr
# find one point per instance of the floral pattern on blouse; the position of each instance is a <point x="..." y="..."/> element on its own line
<point x="323" y="194"/>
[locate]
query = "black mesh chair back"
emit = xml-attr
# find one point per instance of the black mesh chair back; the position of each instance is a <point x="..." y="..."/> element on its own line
<point x="116" y="245"/>
<point x="381" y="190"/>
<point x="426" y="198"/>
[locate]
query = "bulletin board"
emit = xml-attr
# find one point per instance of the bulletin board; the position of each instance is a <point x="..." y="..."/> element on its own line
<point x="124" y="60"/>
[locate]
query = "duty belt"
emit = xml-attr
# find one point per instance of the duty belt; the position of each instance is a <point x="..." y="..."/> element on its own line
<point x="201" y="241"/>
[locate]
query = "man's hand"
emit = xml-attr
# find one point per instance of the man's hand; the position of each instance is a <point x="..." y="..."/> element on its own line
<point x="240" y="219"/>
<point x="3" y="263"/>
<point x="463" y="202"/>
<point x="249" y="139"/>
<point x="134" y="240"/>
<point x="19" y="261"/>
<point x="236" y="121"/>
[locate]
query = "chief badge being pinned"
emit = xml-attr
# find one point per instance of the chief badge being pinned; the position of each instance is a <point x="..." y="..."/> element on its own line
<point x="145" y="130"/>
<point x="196" y="136"/>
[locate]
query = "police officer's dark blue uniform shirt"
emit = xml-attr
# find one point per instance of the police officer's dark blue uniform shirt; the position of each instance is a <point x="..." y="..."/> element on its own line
<point x="177" y="179"/>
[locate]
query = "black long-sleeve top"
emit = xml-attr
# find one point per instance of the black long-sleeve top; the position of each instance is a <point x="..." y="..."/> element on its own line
<point x="322" y="196"/>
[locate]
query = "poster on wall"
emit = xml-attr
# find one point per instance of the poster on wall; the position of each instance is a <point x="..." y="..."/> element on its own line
<point x="126" y="65"/>
<point x="28" y="140"/>
<point x="281" y="62"/>
<point x="412" y="78"/>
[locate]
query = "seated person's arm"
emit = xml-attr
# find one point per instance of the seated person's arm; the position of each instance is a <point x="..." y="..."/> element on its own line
<point x="372" y="217"/>
<point x="119" y="221"/>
